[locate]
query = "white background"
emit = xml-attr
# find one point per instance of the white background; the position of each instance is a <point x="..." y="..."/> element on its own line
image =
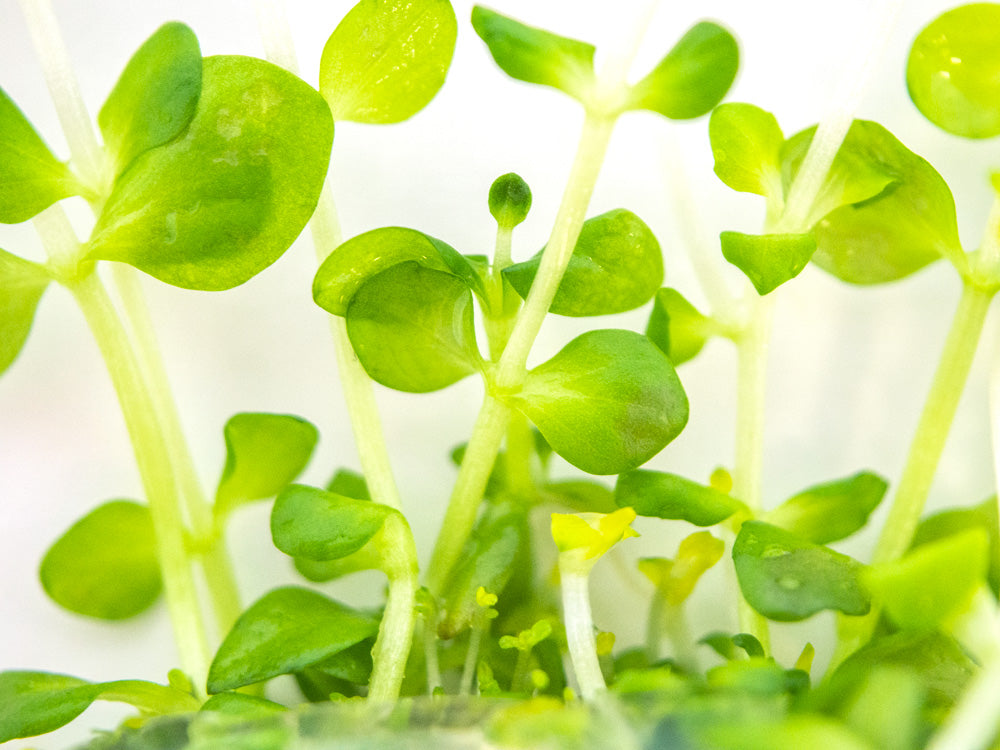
<point x="849" y="366"/>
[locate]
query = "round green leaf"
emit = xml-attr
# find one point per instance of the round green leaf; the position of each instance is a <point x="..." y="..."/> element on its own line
<point x="214" y="207"/>
<point x="310" y="523"/>
<point x="617" y="265"/>
<point x="746" y="144"/>
<point x="285" y="631"/>
<point x="510" y="200"/>
<point x="105" y="565"/>
<point x="693" y="77"/>
<point x="264" y="453"/>
<point x="31" y="178"/>
<point x="787" y="578"/>
<point x="535" y="55"/>
<point x="664" y="495"/>
<point x="412" y="328"/>
<point x="676" y="326"/>
<point x="387" y="59"/>
<point x="607" y="402"/>
<point x="834" y="510"/>
<point x="155" y="97"/>
<point x="953" y="72"/>
<point x="21" y="286"/>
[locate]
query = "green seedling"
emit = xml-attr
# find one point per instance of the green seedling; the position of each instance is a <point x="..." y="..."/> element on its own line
<point x="206" y="171"/>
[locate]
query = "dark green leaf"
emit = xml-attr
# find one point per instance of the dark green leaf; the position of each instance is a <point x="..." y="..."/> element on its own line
<point x="105" y="565"/>
<point x="933" y="582"/>
<point x="616" y="266"/>
<point x="31" y="178"/>
<point x="786" y="578"/>
<point x="264" y="453"/>
<point x="768" y="260"/>
<point x="746" y="143"/>
<point x="353" y="664"/>
<point x="898" y="231"/>
<point x="319" y="571"/>
<point x="693" y="77"/>
<point x="663" y="495"/>
<point x="286" y="630"/>
<point x="155" y="97"/>
<point x="387" y="59"/>
<point x="948" y="522"/>
<point x="676" y="326"/>
<point x="953" y="72"/>
<point x="212" y="208"/>
<point x="412" y="328"/>
<point x="607" y="402"/>
<point x="510" y="200"/>
<point x="830" y="511"/>
<point x="21" y="286"/>
<point x="360" y="258"/>
<point x="307" y="522"/>
<point x="536" y="56"/>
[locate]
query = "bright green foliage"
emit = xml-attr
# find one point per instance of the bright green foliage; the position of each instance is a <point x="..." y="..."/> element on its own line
<point x="105" y="565"/>
<point x="768" y="260"/>
<point x="791" y="733"/>
<point x="242" y="704"/>
<point x="948" y="522"/>
<point x="350" y="484"/>
<point x="934" y="582"/>
<point x="900" y="229"/>
<point x="607" y="402"/>
<point x="953" y="72"/>
<point x="617" y="265"/>
<point x="264" y="453"/>
<point x="583" y="538"/>
<point x="675" y="579"/>
<point x="785" y="577"/>
<point x="510" y="200"/>
<point x="693" y="77"/>
<point x="676" y="326"/>
<point x="663" y="495"/>
<point x="536" y="56"/>
<point x="725" y="645"/>
<point x="387" y="59"/>
<point x="318" y="525"/>
<point x="286" y="630"/>
<point x="360" y="258"/>
<point x="528" y="638"/>
<point x="832" y="510"/>
<point x="412" y="328"/>
<point x="746" y="144"/>
<point x="487" y="562"/>
<point x="31" y="178"/>
<point x="212" y="208"/>
<point x="33" y="703"/>
<point x="155" y="97"/>
<point x="580" y="495"/>
<point x="21" y="286"/>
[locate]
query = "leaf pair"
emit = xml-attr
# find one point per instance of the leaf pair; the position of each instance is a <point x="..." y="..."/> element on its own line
<point x="881" y="213"/>
<point x="687" y="83"/>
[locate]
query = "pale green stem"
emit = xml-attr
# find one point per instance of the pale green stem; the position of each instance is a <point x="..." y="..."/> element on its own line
<point x="654" y="626"/>
<point x="679" y="635"/>
<point x="395" y="634"/>
<point x="471" y="660"/>
<point x="580" y="640"/>
<point x="521" y="678"/>
<point x="432" y="665"/>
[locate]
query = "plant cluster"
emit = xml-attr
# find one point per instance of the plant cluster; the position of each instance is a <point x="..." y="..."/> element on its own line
<point x="208" y="168"/>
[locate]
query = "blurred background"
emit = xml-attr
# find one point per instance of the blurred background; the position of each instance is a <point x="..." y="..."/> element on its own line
<point x="849" y="366"/>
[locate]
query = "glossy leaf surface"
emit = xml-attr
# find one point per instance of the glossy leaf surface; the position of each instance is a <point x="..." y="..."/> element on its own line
<point x="831" y="511"/>
<point x="105" y="565"/>
<point x="412" y="328"/>
<point x="387" y="59"/>
<point x="286" y="630"/>
<point x="617" y="265"/>
<point x="746" y="144"/>
<point x="311" y="523"/>
<point x="693" y="77"/>
<point x="360" y="258"/>
<point x="211" y="209"/>
<point x="607" y="402"/>
<point x="676" y="326"/>
<point x="31" y="178"/>
<point x="664" y="495"/>
<point x="22" y="284"/>
<point x="155" y="97"/>
<point x="787" y="578"/>
<point x="953" y="71"/>
<point x="768" y="260"/>
<point x="264" y="453"/>
<point x="536" y="56"/>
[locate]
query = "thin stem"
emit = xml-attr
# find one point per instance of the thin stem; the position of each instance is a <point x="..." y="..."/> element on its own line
<point x="471" y="661"/>
<point x="521" y="677"/>
<point x="580" y="638"/>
